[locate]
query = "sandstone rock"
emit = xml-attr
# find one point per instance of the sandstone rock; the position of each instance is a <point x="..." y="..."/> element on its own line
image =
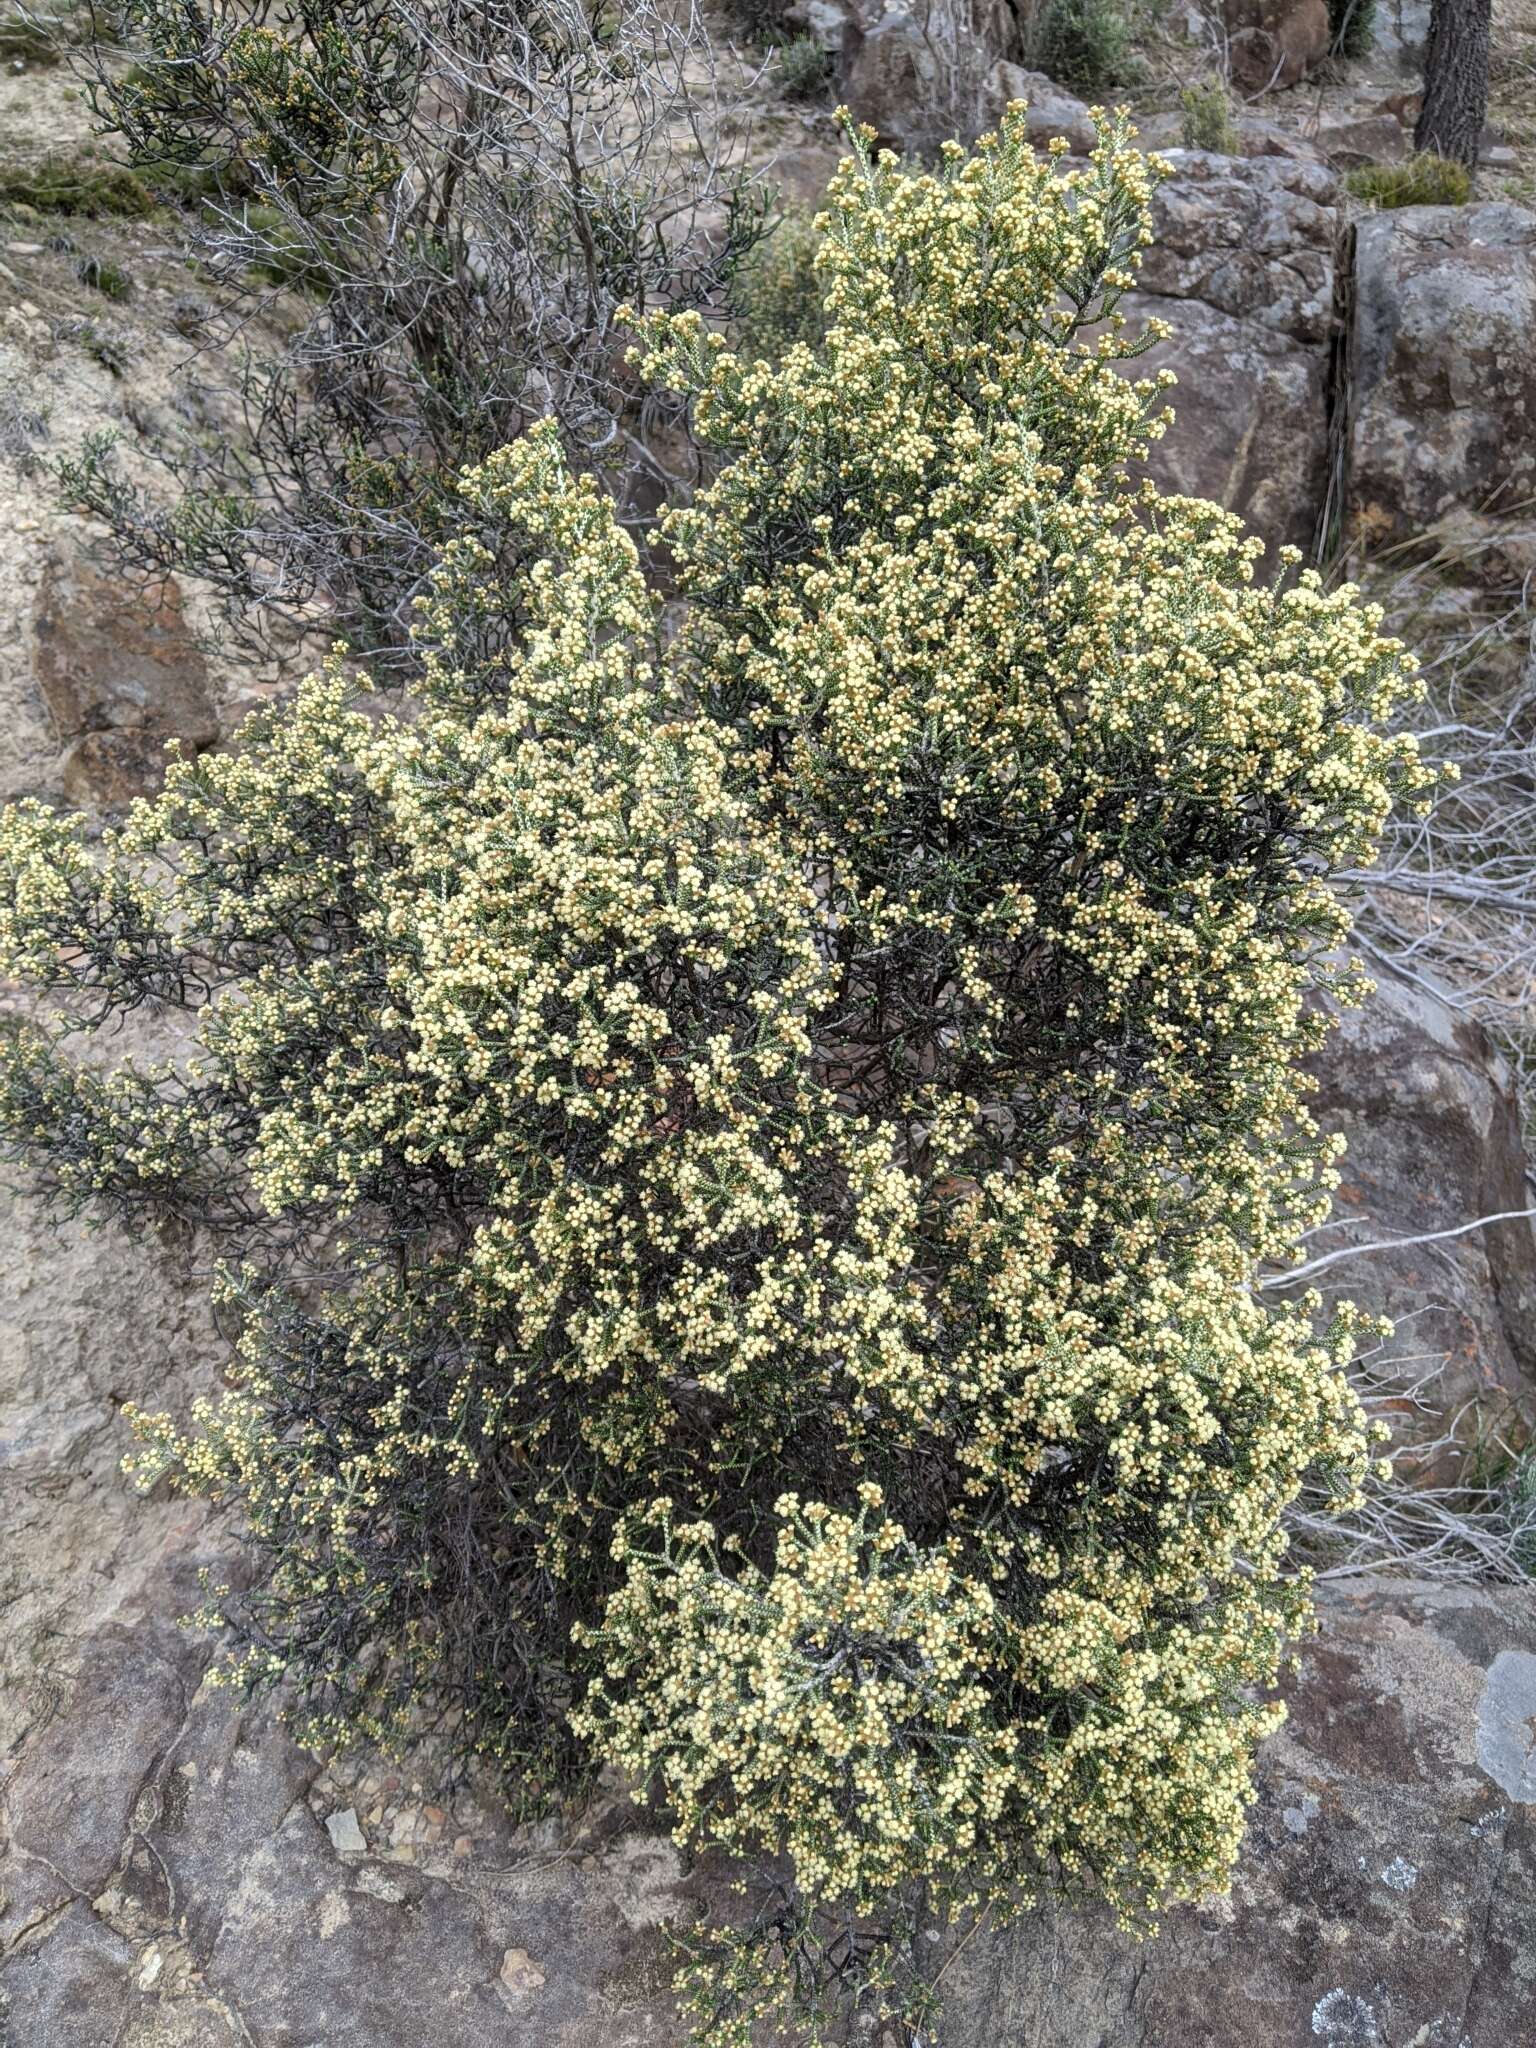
<point x="1249" y="426"/>
<point x="1251" y="236"/>
<point x="1428" y="1108"/>
<point x="1372" y="139"/>
<point x="1052" y="112"/>
<point x="519" y="1973"/>
<point x="347" y="1837"/>
<point x="1442" y="378"/>
<point x="916" y="70"/>
<point x="121" y="675"/>
<point x="1241" y="268"/>
<point x="1275" y="42"/>
<point x="88" y="1322"/>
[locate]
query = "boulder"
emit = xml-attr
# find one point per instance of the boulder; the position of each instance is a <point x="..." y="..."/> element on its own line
<point x="1441" y="369"/>
<point x="1242" y="269"/>
<point x="1252" y="237"/>
<point x="1052" y="112"/>
<point x="1275" y="42"/>
<point x="1427" y="1106"/>
<point x="917" y="70"/>
<point x="121" y="674"/>
<point x="1371" y="139"/>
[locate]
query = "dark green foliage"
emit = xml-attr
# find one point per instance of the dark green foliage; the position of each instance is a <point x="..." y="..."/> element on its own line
<point x="1208" y="120"/>
<point x="804" y="67"/>
<point x="81" y="184"/>
<point x="1353" y="26"/>
<point x="775" y="295"/>
<point x="101" y="274"/>
<point x="1085" y="44"/>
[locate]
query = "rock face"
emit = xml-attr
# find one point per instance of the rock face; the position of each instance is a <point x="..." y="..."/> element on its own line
<point x="1369" y="139"/>
<point x="87" y="1323"/>
<point x="1442" y="378"/>
<point x="169" y="1885"/>
<point x="1401" y="31"/>
<point x="1242" y="270"/>
<point x="1052" y="112"/>
<point x="175" y="1873"/>
<point x="120" y="674"/>
<point x="1428" y="1108"/>
<point x="1387" y="1879"/>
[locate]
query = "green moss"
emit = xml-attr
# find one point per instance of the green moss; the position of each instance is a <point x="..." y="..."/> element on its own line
<point x="78" y="184"/>
<point x="1421" y="181"/>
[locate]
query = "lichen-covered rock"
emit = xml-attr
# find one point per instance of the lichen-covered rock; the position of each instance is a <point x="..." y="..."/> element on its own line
<point x="1428" y="1108"/>
<point x="917" y="70"/>
<point x="1242" y="270"/>
<point x="1388" y="1879"/>
<point x="1384" y="1894"/>
<point x="1442" y="380"/>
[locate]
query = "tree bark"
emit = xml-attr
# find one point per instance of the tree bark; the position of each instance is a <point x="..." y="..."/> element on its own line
<point x="1455" y="80"/>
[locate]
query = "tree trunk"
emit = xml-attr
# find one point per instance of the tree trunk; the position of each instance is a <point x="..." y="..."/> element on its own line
<point x="1455" y="80"/>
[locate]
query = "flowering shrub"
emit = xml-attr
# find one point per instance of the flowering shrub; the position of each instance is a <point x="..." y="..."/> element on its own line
<point x="740" y="1153"/>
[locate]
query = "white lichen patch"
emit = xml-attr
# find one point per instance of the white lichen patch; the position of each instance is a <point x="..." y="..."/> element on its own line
<point x="1345" y="2021"/>
<point x="1506" y="1724"/>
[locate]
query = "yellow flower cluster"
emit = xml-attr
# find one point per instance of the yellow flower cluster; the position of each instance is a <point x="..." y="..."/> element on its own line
<point x="848" y="1044"/>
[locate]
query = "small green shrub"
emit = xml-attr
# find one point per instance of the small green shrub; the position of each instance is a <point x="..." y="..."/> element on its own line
<point x="1208" y="122"/>
<point x="1352" y="24"/>
<point x="738" y="1155"/>
<point x="804" y="68"/>
<point x="1085" y="44"/>
<point x="101" y="274"/>
<point x="1421" y="181"/>
<point x="82" y="184"/>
